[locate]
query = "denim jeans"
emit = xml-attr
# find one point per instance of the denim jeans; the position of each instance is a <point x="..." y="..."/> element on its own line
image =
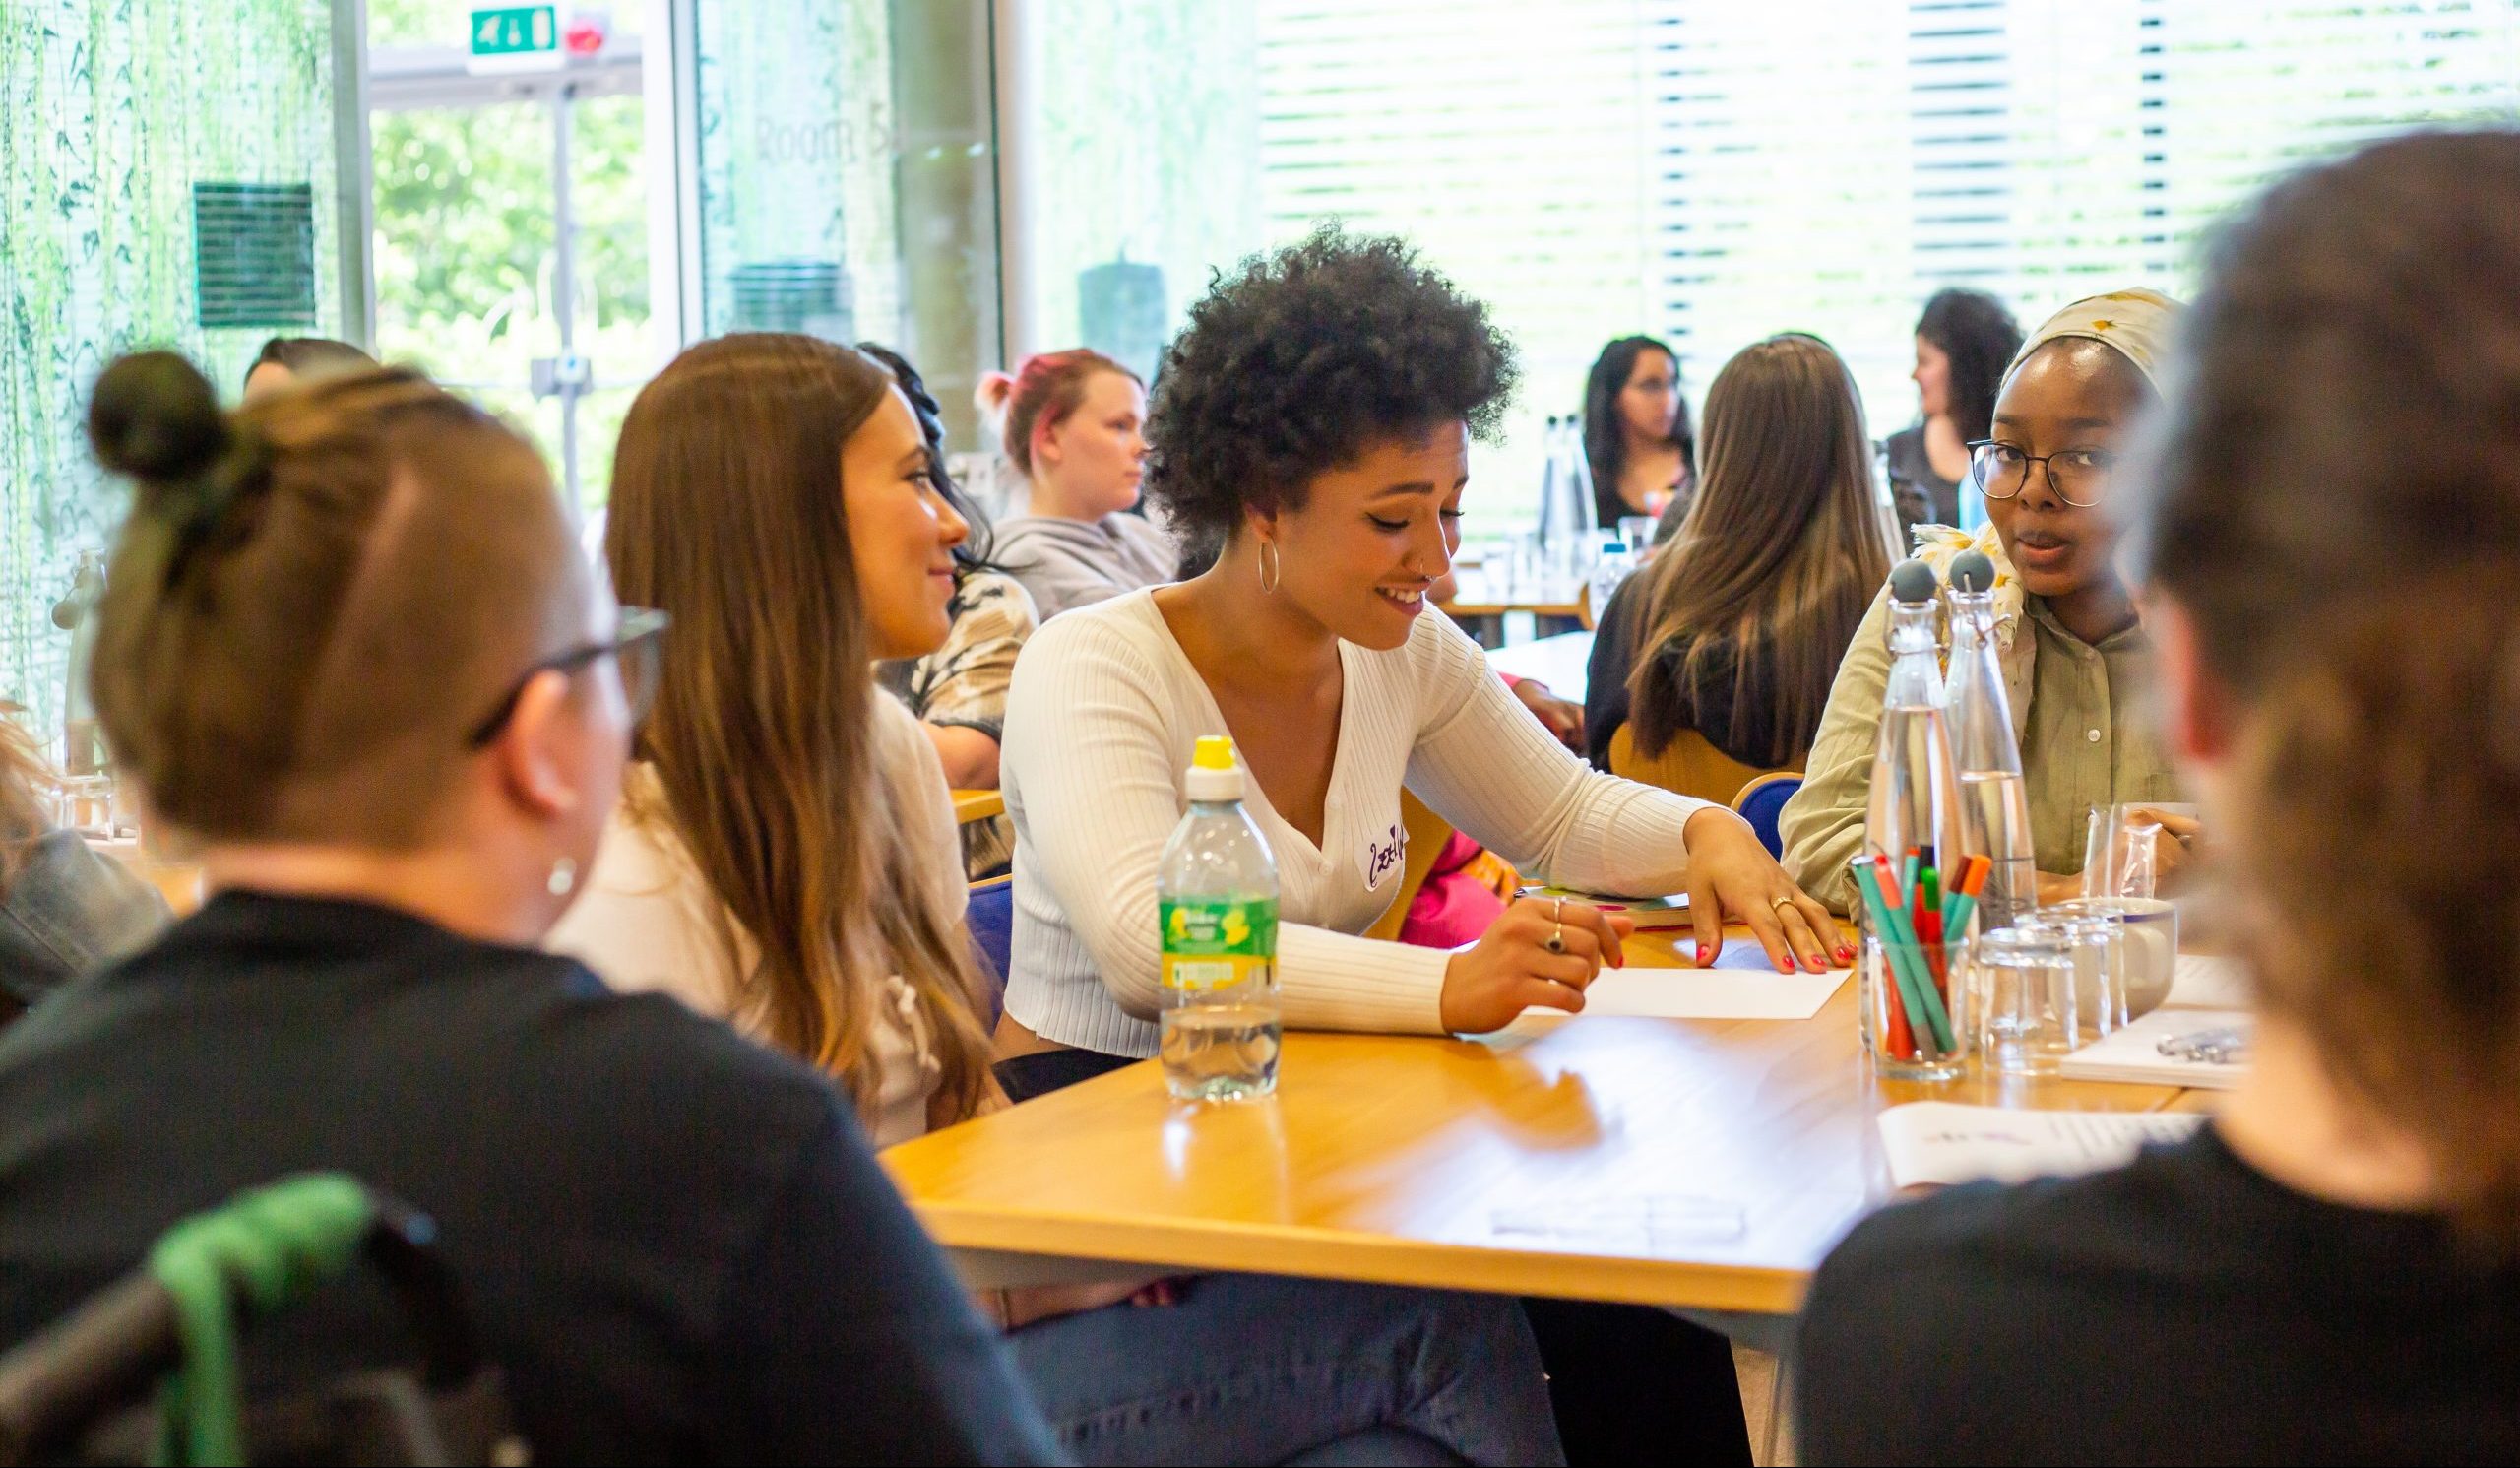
<point x="1253" y="1368"/>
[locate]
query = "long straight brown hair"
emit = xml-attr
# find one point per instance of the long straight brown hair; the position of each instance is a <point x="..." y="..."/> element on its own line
<point x="1778" y="557"/>
<point x="727" y="512"/>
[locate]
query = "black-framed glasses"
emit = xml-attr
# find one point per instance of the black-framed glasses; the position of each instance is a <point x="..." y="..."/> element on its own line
<point x="2001" y="471"/>
<point x="635" y="648"/>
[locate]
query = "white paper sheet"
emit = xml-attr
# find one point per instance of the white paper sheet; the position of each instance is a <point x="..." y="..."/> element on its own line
<point x="2203" y="983"/>
<point x="1706" y="993"/>
<point x="1943" y="1141"/>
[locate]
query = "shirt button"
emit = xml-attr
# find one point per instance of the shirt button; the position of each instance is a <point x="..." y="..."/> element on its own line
<point x="2091" y="736"/>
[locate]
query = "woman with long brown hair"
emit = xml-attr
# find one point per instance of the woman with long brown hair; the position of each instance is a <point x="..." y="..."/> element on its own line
<point x="1737" y="628"/>
<point x="785" y="858"/>
<point x="2329" y="1270"/>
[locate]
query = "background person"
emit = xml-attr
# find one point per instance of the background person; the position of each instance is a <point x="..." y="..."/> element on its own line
<point x="1963" y="342"/>
<point x="1735" y="630"/>
<point x="1074" y="425"/>
<point x="1637" y="439"/>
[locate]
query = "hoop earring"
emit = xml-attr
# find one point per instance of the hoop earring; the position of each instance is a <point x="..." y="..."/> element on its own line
<point x="1269" y="567"/>
<point x="564" y="877"/>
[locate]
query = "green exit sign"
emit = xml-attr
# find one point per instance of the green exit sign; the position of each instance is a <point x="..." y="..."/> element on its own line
<point x="515" y="31"/>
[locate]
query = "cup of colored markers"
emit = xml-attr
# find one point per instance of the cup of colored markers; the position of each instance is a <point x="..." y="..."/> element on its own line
<point x="1915" y="922"/>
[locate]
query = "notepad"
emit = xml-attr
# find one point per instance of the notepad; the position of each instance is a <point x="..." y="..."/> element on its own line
<point x="1705" y="993"/>
<point x="2134" y="1053"/>
<point x="1945" y="1142"/>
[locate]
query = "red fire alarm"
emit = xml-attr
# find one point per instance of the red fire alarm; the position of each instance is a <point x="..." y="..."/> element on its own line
<point x="586" y="34"/>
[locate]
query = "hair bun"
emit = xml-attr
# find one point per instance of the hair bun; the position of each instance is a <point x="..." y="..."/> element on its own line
<point x="995" y="391"/>
<point x="154" y="417"/>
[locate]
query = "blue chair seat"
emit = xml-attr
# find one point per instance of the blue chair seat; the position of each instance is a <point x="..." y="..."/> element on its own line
<point x="991" y="919"/>
<point x="1761" y="802"/>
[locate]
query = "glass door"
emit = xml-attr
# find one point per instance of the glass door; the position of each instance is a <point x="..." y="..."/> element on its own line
<point x="511" y="230"/>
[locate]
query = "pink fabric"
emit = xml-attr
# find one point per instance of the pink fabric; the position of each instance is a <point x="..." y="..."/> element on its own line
<point x="1454" y="907"/>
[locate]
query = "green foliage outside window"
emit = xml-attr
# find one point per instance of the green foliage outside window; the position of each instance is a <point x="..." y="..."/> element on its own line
<point x="111" y="111"/>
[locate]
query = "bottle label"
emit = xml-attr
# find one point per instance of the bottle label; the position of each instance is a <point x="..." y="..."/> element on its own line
<point x="1217" y="943"/>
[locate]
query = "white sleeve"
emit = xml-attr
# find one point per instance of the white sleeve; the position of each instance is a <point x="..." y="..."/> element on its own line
<point x="1487" y="765"/>
<point x="1097" y="771"/>
<point x="931" y="839"/>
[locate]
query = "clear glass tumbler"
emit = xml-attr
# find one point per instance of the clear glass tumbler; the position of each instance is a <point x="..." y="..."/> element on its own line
<point x="2022" y="981"/>
<point x="2097" y="935"/>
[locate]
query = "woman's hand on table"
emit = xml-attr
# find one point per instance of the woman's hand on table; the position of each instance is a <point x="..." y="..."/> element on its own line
<point x="1564" y="720"/>
<point x="1513" y="967"/>
<point x="1733" y="878"/>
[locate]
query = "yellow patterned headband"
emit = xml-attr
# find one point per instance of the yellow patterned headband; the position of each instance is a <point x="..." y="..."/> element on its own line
<point x="2137" y="323"/>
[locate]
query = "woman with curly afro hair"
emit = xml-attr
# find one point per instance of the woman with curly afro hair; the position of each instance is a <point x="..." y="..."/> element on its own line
<point x="1313" y="420"/>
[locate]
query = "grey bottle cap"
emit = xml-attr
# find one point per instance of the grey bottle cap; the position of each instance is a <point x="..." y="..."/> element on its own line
<point x="1972" y="572"/>
<point x="1912" y="580"/>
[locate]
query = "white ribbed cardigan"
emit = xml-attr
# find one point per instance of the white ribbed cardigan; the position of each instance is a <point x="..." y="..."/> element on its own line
<point x="1100" y="726"/>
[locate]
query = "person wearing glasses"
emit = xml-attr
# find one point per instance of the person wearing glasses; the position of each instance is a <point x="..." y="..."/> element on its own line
<point x="2075" y="656"/>
<point x="350" y="650"/>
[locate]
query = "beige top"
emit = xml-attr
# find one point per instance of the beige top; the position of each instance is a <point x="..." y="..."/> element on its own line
<point x="644" y="921"/>
<point x="2086" y="740"/>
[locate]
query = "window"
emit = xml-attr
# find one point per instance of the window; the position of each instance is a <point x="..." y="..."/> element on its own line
<point x="111" y="111"/>
<point x="1705" y="170"/>
<point x="847" y="176"/>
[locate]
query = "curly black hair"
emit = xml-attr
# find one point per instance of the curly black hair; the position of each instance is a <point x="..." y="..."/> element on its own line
<point x="1303" y="359"/>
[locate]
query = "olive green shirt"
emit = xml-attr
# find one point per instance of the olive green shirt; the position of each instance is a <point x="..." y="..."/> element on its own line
<point x="2088" y="742"/>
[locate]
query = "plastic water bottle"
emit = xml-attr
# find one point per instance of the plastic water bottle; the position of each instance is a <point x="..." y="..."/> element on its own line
<point x="1565" y="503"/>
<point x="1994" y="804"/>
<point x="1915" y="799"/>
<point x="1216" y="903"/>
<point x="1609" y="569"/>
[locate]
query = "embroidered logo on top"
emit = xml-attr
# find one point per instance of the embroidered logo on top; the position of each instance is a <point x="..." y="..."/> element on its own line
<point x="1385" y="854"/>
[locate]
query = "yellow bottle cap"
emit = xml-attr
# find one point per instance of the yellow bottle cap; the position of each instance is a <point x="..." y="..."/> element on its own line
<point x="1213" y="753"/>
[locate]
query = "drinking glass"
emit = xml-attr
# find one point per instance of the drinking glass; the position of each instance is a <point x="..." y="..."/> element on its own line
<point x="2097" y="939"/>
<point x="1638" y="531"/>
<point x="2022" y="982"/>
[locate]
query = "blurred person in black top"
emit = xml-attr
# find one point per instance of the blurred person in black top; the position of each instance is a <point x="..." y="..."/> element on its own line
<point x="349" y="647"/>
<point x="2329" y="533"/>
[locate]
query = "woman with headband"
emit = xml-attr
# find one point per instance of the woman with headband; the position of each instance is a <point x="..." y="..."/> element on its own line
<point x="2074" y="654"/>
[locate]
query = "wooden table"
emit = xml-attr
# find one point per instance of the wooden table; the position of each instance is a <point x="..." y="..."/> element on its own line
<point x="1563" y="662"/>
<point x="1477" y="594"/>
<point x="1705" y="1164"/>
<point x="978" y="805"/>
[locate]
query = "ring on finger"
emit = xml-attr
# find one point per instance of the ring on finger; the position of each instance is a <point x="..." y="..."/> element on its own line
<point x="1781" y="903"/>
<point x="1557" y="931"/>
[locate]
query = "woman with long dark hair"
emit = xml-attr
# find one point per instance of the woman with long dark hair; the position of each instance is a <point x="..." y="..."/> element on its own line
<point x="1637" y="438"/>
<point x="1963" y="342"/>
<point x="1737" y="630"/>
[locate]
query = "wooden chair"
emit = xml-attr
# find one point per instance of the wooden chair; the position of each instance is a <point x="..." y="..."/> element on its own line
<point x="1691" y="766"/>
<point x="1428" y="833"/>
